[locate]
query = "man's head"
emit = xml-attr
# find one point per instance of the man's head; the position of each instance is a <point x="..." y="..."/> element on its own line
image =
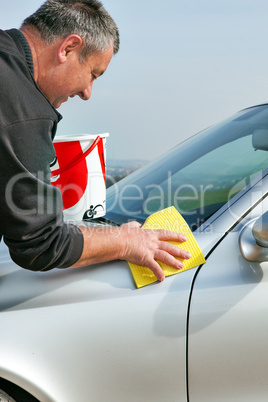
<point x="85" y="18"/>
<point x="72" y="43"/>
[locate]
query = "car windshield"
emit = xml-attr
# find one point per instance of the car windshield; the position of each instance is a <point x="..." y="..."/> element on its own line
<point x="198" y="176"/>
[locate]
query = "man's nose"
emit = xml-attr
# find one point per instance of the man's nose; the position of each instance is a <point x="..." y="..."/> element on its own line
<point x="86" y="94"/>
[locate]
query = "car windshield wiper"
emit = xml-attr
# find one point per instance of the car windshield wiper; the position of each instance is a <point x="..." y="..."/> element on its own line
<point x="100" y="221"/>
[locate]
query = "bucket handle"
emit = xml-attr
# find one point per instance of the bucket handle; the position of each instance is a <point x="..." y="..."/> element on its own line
<point x="77" y="159"/>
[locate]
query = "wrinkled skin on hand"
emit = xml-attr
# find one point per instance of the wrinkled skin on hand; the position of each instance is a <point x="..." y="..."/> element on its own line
<point x="144" y="247"/>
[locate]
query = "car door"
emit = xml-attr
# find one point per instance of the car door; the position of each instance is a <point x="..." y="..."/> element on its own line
<point x="228" y="325"/>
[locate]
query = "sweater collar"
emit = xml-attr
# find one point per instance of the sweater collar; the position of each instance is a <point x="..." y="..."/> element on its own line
<point x="15" y="33"/>
<point x="27" y="51"/>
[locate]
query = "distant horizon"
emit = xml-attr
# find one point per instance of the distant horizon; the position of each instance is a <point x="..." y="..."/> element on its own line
<point x="132" y="160"/>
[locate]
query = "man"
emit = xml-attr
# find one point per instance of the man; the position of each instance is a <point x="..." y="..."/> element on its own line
<point x="58" y="53"/>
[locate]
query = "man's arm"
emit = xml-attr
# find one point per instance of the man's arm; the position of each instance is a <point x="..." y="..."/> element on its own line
<point x="131" y="243"/>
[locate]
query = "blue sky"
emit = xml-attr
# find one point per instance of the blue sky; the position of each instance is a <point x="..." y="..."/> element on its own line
<point x="183" y="65"/>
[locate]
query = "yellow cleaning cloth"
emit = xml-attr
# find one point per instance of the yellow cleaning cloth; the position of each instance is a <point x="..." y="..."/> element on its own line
<point x="168" y="219"/>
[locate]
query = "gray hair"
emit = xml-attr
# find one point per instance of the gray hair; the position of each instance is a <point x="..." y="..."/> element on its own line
<point x="85" y="18"/>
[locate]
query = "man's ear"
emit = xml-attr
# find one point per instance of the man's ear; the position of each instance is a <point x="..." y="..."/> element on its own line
<point x="71" y="43"/>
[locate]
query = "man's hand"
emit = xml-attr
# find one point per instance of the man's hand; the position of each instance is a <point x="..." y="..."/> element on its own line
<point x="144" y="247"/>
<point x="131" y="243"/>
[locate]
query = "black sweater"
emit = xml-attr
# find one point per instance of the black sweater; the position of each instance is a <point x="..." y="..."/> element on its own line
<point x="31" y="221"/>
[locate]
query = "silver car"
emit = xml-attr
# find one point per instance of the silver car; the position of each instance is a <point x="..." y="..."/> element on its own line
<point x="200" y="336"/>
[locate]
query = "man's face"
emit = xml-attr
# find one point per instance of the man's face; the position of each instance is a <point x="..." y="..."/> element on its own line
<point x="76" y="78"/>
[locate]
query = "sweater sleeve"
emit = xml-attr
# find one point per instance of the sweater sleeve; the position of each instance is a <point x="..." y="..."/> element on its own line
<point x="32" y="221"/>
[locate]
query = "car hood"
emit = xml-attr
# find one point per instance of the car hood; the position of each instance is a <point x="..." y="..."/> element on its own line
<point x="23" y="289"/>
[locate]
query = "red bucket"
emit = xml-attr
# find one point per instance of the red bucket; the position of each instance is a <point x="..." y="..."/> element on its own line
<point x="80" y="174"/>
